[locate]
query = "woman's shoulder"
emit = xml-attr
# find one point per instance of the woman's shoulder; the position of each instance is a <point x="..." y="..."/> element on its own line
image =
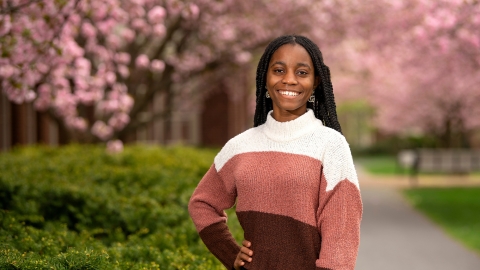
<point x="329" y="135"/>
<point x="238" y="144"/>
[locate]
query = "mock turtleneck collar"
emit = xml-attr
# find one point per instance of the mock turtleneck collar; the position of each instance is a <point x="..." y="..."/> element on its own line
<point x="290" y="130"/>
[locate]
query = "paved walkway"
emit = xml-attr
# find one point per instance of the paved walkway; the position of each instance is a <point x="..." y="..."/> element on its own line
<point x="395" y="237"/>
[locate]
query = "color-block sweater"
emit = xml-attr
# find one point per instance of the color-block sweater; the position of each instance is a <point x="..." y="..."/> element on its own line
<point x="297" y="197"/>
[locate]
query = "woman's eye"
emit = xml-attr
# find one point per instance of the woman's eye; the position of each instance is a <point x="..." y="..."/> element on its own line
<point x="302" y="72"/>
<point x="278" y="70"/>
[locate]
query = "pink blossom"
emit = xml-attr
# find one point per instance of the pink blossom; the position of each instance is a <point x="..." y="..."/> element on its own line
<point x="137" y="11"/>
<point x="159" y="30"/>
<point x="101" y="130"/>
<point x="114" y="146"/>
<point x="76" y="123"/>
<point x="122" y="58"/>
<point x="142" y="61"/>
<point x="42" y="103"/>
<point x="100" y="12"/>
<point x="469" y="37"/>
<point x="44" y="89"/>
<point x="83" y="66"/>
<point x="98" y="83"/>
<point x="110" y="77"/>
<point x="16" y="96"/>
<point x="87" y="96"/>
<point x="72" y="49"/>
<point x="118" y="121"/>
<point x="110" y="106"/>
<point x="74" y="19"/>
<point x="106" y="27"/>
<point x="81" y="83"/>
<point x="30" y="96"/>
<point x="16" y="28"/>
<point x="61" y="83"/>
<point x="126" y="103"/>
<point x="65" y="104"/>
<point x="157" y="66"/>
<point x="174" y="7"/>
<point x="42" y="67"/>
<point x="156" y="15"/>
<point x="7" y="71"/>
<point x="139" y="24"/>
<point x="5" y="24"/>
<point x="433" y="22"/>
<point x="227" y="34"/>
<point x="243" y="57"/>
<point x="114" y="42"/>
<point x="119" y="14"/>
<point x="88" y="30"/>
<point x="128" y="35"/>
<point x="191" y="12"/>
<point x="103" y="53"/>
<point x="444" y="44"/>
<point x="31" y="77"/>
<point x="19" y="96"/>
<point x="118" y="89"/>
<point x="123" y="71"/>
<point x="139" y="2"/>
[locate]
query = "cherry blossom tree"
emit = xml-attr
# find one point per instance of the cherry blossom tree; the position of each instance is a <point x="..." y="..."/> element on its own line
<point x="95" y="65"/>
<point x="417" y="62"/>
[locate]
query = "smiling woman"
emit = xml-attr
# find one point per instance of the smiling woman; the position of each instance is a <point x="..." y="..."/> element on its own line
<point x="291" y="176"/>
<point x="290" y="81"/>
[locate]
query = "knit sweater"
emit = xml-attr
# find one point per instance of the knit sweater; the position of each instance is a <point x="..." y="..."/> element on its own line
<point x="297" y="197"/>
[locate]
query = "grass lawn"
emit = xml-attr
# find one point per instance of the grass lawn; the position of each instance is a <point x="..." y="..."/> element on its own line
<point x="385" y="165"/>
<point x="457" y="210"/>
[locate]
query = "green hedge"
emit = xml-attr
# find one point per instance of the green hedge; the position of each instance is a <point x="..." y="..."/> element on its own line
<point x="78" y="207"/>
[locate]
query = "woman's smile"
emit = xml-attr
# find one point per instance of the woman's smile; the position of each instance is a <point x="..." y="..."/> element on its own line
<point x="288" y="93"/>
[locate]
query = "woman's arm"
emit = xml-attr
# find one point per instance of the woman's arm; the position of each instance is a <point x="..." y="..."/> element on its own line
<point x="206" y="207"/>
<point x="340" y="210"/>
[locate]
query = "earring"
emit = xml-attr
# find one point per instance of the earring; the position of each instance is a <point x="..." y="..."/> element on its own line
<point x="312" y="98"/>
<point x="267" y="95"/>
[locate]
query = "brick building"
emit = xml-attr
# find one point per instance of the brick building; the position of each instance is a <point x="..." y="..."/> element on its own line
<point x="219" y="116"/>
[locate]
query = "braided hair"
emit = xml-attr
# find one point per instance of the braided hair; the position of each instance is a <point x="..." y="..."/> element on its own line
<point x="324" y="106"/>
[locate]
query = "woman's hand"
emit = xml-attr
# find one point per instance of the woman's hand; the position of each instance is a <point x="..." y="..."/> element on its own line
<point x="245" y="255"/>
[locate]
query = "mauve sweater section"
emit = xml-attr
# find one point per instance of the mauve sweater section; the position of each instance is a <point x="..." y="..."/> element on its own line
<point x="296" y="193"/>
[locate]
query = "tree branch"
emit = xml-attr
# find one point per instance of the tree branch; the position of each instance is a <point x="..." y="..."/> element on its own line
<point x="12" y="9"/>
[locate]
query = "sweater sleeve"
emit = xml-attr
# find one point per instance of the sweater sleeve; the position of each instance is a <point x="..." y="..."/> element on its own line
<point x="206" y="207"/>
<point x="340" y="210"/>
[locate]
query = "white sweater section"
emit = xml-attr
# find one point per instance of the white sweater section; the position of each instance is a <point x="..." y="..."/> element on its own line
<point x="306" y="135"/>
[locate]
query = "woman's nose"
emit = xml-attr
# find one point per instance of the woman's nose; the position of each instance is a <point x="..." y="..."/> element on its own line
<point x="289" y="78"/>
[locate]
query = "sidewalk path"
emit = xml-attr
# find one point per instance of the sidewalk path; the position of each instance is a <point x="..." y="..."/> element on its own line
<point x="396" y="237"/>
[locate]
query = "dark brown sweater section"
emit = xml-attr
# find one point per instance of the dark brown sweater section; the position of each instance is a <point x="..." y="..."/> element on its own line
<point x="280" y="242"/>
<point x="220" y="242"/>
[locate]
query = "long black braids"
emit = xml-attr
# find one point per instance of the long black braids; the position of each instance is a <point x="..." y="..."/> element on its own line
<point x="324" y="106"/>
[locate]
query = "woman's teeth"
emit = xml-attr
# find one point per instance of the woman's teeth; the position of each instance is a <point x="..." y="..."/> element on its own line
<point x="289" y="93"/>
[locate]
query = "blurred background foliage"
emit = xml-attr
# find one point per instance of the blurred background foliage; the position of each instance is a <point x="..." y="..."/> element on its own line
<point x="405" y="73"/>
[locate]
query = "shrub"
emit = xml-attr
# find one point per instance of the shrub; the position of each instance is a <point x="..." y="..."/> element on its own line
<point x="78" y="207"/>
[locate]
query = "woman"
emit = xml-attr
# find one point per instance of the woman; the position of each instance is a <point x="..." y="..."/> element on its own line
<point x="292" y="175"/>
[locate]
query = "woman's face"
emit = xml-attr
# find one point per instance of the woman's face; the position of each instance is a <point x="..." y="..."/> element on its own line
<point x="290" y="81"/>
